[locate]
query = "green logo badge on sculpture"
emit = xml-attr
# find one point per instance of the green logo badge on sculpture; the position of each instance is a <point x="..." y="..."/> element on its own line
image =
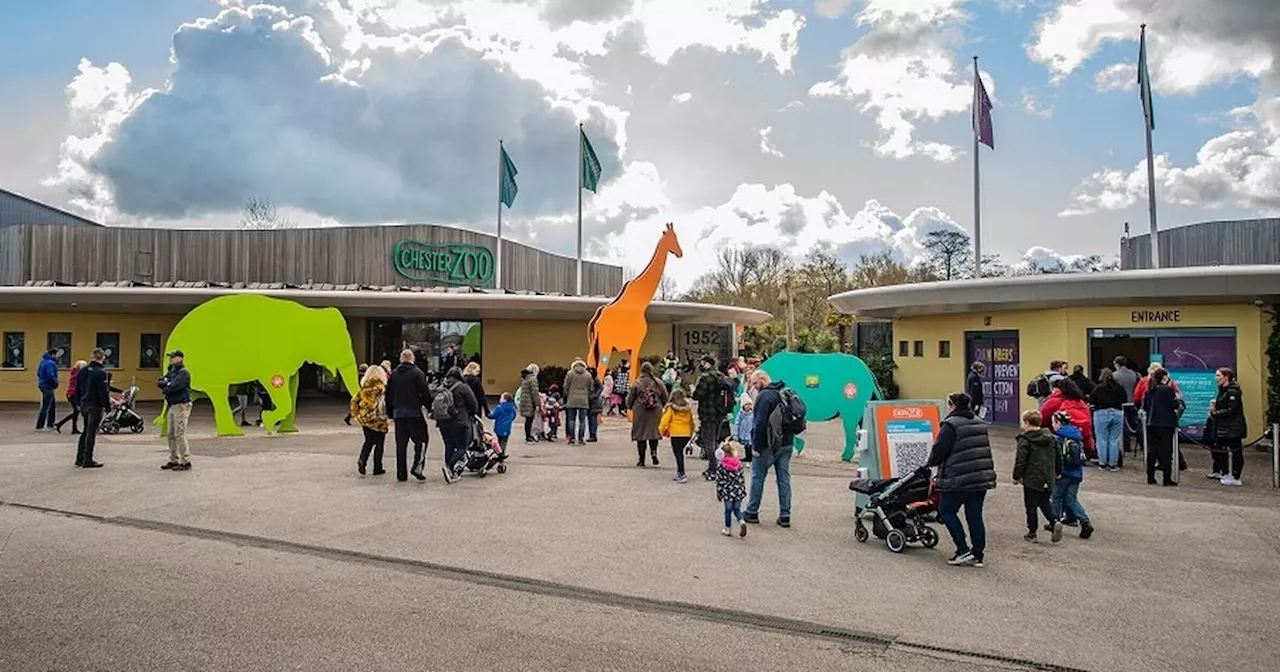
<point x="445" y="263"/>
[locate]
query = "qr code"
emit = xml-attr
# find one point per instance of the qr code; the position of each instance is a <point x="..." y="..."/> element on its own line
<point x="908" y="456"/>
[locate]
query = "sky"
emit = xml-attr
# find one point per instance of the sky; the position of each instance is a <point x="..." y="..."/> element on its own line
<point x="842" y="125"/>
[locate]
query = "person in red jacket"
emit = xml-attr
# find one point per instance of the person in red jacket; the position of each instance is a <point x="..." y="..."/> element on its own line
<point x="1140" y="390"/>
<point x="1068" y="397"/>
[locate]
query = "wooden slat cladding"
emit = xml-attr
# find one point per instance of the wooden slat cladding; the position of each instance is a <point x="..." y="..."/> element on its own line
<point x="340" y="255"/>
<point x="11" y="255"/>
<point x="1229" y="243"/>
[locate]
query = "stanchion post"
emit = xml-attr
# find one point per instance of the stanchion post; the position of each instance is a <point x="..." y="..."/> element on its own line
<point x="1174" y="472"/>
<point x="1142" y="435"/>
<point x="1275" y="455"/>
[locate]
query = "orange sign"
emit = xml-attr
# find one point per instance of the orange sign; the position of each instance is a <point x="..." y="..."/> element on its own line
<point x="904" y="435"/>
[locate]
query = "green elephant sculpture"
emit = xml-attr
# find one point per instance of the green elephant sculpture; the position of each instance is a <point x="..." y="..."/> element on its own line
<point x="830" y="384"/>
<point x="241" y="338"/>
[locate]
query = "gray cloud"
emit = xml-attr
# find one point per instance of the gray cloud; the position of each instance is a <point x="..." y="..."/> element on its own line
<point x="564" y="12"/>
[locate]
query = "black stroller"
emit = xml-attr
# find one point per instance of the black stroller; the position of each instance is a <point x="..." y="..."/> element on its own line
<point x="897" y="508"/>
<point x="484" y="453"/>
<point x="122" y="415"/>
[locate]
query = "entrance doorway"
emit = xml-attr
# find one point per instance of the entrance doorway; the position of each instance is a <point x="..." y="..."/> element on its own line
<point x="1104" y="350"/>
<point x="998" y="350"/>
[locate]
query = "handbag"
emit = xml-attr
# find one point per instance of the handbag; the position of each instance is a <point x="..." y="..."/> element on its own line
<point x="382" y="406"/>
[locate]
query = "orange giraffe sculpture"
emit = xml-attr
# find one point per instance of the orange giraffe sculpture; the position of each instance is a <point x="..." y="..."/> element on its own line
<point x="620" y="326"/>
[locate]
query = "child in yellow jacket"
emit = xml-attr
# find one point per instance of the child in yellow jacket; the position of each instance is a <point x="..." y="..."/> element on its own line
<point x="677" y="425"/>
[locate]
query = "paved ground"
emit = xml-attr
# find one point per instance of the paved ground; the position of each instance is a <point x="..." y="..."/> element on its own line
<point x="274" y="554"/>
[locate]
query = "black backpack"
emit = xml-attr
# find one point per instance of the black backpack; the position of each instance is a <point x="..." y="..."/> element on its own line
<point x="444" y="407"/>
<point x="793" y="412"/>
<point x="726" y="397"/>
<point x="1039" y="387"/>
<point x="1072" y="453"/>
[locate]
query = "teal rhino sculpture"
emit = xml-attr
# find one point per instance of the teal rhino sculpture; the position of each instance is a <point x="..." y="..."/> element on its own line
<point x="831" y="385"/>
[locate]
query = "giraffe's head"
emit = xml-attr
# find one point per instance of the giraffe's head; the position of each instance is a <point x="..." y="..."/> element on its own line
<point x="669" y="242"/>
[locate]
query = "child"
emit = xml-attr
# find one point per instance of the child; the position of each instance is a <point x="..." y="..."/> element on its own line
<point x="551" y="409"/>
<point x="539" y="424"/>
<point x="745" y="425"/>
<point x="1067" y="490"/>
<point x="677" y="425"/>
<point x="730" y="488"/>
<point x="1037" y="466"/>
<point x="503" y="415"/>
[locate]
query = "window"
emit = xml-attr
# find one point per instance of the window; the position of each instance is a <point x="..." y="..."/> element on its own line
<point x="149" y="357"/>
<point x="944" y="349"/>
<point x="61" y="341"/>
<point x="15" y="350"/>
<point x="110" y="344"/>
<point x="903" y="350"/>
<point x="918" y="348"/>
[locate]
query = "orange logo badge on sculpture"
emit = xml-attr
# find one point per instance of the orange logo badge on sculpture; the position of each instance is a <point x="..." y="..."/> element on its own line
<point x="277" y="381"/>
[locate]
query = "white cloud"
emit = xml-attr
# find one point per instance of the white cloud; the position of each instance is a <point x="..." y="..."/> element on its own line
<point x="1044" y="260"/>
<point x="766" y="143"/>
<point x="1117" y="77"/>
<point x="832" y="9"/>
<point x="682" y="97"/>
<point x="1034" y="107"/>
<point x="903" y="71"/>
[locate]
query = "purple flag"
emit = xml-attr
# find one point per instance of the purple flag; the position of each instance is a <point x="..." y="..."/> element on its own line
<point x="982" y="112"/>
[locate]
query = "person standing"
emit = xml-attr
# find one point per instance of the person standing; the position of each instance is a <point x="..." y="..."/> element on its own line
<point x="528" y="399"/>
<point x="577" y="399"/>
<point x="47" y="381"/>
<point x="677" y="425"/>
<point x="1042" y="386"/>
<point x="1036" y="468"/>
<point x="1127" y="378"/>
<point x="95" y="396"/>
<point x="176" y="386"/>
<point x="1161" y="404"/>
<point x="471" y="376"/>
<point x="713" y="412"/>
<point x="773" y="445"/>
<point x="73" y="398"/>
<point x="594" y="407"/>
<point x="406" y="395"/>
<point x="646" y="400"/>
<point x="973" y="385"/>
<point x="369" y="408"/>
<point x="449" y="359"/>
<point x="1228" y="428"/>
<point x="966" y="471"/>
<point x="503" y="416"/>
<point x="454" y="409"/>
<point x="1108" y="400"/>
<point x="1082" y="381"/>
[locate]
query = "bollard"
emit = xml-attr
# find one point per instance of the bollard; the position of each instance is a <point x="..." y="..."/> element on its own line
<point x="1275" y="456"/>
<point x="1175" y="474"/>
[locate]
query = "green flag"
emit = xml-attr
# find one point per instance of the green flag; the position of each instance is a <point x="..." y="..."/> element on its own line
<point x="1144" y="81"/>
<point x="507" y="178"/>
<point x="590" y="164"/>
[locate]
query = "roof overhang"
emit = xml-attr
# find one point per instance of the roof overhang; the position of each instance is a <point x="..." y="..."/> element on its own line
<point x="1198" y="285"/>
<point x="426" y="304"/>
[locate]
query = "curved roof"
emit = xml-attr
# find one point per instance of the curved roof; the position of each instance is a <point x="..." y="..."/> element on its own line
<point x="457" y="303"/>
<point x="1213" y="284"/>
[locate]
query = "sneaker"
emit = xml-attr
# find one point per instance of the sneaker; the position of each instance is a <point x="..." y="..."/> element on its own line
<point x="1071" y="523"/>
<point x="1113" y="469"/>
<point x="784" y="521"/>
<point x="726" y="532"/>
<point x="640" y="464"/>
<point x="592" y="439"/>
<point x="91" y="465"/>
<point x="1086" y="531"/>
<point x="1057" y="533"/>
<point x="1230" y="480"/>
<point x="417" y="473"/>
<point x="961" y="559"/>
<point x="1048" y="527"/>
<point x="1215" y="475"/>
<point x="185" y="466"/>
<point x="169" y="465"/>
<point x="978" y="562"/>
<point x="742" y="528"/>
<point x="1030" y="536"/>
<point x="752" y="518"/>
<point x="448" y="475"/>
<point x="681" y="478"/>
<point x="360" y="467"/>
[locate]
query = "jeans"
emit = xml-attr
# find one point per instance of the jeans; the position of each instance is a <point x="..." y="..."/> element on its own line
<point x="575" y="418"/>
<point x="593" y="423"/>
<point x="1066" y="497"/>
<point x="972" y="502"/>
<point x="732" y="509"/>
<point x="48" y="408"/>
<point x="416" y="429"/>
<point x="455" y="443"/>
<point x="1108" y="424"/>
<point x="1037" y="502"/>
<point x="678" y="444"/>
<point x="374" y="442"/>
<point x="84" y="448"/>
<point x="1228" y="457"/>
<point x="781" y="461"/>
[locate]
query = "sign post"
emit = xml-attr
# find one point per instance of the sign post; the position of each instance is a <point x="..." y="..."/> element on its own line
<point x="900" y="437"/>
<point x="1275" y="456"/>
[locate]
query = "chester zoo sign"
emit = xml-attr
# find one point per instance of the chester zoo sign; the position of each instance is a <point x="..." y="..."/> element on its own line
<point x="445" y="263"/>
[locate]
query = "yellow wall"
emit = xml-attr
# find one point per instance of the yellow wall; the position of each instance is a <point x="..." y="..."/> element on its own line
<point x="1063" y="333"/>
<point x="510" y="345"/>
<point x="20" y="385"/>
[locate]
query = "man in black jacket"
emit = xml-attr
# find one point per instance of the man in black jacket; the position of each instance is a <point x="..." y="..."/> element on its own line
<point x="773" y="446"/>
<point x="966" y="471"/>
<point x="95" y="396"/>
<point x="176" y="386"/>
<point x="405" y="397"/>
<point x="713" y="425"/>
<point x="455" y="430"/>
<point x="973" y="385"/>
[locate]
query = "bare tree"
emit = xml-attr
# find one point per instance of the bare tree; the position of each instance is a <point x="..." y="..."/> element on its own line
<point x="880" y="270"/>
<point x="261" y="213"/>
<point x="948" y="253"/>
<point x="667" y="289"/>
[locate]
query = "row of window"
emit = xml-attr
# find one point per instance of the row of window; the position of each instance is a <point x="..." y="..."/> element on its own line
<point x="916" y="349"/>
<point x="15" y="349"/>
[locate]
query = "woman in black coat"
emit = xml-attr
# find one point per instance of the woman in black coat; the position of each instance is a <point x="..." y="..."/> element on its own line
<point x="471" y="376"/>
<point x="1161" y="404"/>
<point x="1227" y="429"/>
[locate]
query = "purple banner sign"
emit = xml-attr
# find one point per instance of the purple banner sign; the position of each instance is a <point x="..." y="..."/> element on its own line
<point x="1001" y="379"/>
<point x="1191" y="361"/>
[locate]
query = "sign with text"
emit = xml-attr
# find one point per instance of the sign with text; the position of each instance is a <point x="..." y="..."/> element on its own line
<point x="1192" y="362"/>
<point x="443" y="263"/>
<point x="695" y="340"/>
<point x="1001" y="380"/>
<point x="903" y="434"/>
<point x="1155" y="316"/>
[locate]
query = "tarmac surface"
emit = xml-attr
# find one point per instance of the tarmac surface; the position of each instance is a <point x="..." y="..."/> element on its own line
<point x="274" y="554"/>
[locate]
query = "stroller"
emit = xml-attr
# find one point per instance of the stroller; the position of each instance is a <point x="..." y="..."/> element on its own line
<point x="122" y="415"/>
<point x="897" y="508"/>
<point x="484" y="453"/>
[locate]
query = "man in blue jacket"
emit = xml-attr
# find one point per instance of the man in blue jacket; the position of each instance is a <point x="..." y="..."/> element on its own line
<point x="47" y="381"/>
<point x="773" y="447"/>
<point x="95" y="397"/>
<point x="176" y="386"/>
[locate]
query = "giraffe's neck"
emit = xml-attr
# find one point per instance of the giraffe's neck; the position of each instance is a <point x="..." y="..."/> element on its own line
<point x="644" y="286"/>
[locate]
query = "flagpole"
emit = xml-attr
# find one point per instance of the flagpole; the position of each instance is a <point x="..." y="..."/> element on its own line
<point x="497" y="274"/>
<point x="1151" y="165"/>
<point x="977" y="193"/>
<point x="580" y="159"/>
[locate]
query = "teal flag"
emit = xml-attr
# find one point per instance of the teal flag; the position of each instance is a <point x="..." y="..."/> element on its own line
<point x="507" y="178"/>
<point x="590" y="164"/>
<point x="1144" y="82"/>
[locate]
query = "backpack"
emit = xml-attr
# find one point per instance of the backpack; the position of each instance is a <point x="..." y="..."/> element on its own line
<point x="649" y="399"/>
<point x="1072" y="453"/>
<point x="726" y="395"/>
<point x="444" y="407"/>
<point x="793" y="412"/>
<point x="1039" y="387"/>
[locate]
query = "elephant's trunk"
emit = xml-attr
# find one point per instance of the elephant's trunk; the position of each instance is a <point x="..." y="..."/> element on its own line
<point x="350" y="377"/>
